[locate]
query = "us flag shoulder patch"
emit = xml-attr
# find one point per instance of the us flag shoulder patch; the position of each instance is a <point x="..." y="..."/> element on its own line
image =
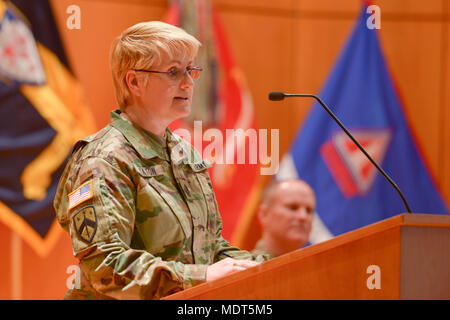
<point x="81" y="194"/>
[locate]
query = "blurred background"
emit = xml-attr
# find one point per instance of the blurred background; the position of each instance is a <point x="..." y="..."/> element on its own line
<point x="284" y="45"/>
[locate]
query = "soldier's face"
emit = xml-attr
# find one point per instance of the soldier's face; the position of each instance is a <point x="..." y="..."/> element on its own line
<point x="166" y="98"/>
<point x="290" y="213"/>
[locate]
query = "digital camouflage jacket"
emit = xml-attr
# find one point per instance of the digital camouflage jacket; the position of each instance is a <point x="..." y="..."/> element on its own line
<point x="141" y="212"/>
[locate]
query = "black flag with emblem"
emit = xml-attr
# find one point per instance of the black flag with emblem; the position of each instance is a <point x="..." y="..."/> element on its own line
<point x="42" y="115"/>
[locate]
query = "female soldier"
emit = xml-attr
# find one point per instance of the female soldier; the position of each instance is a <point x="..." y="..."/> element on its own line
<point x="135" y="198"/>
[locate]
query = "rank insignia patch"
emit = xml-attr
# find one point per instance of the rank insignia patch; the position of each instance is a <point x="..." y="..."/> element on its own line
<point x="85" y="222"/>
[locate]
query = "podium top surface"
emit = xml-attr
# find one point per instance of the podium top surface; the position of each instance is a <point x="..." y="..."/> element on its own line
<point x="425" y="218"/>
<point x="399" y="221"/>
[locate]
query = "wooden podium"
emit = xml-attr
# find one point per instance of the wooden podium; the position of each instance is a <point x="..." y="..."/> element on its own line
<point x="403" y="257"/>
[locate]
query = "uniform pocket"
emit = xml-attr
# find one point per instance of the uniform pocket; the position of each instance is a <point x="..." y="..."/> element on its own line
<point x="202" y="178"/>
<point x="160" y="218"/>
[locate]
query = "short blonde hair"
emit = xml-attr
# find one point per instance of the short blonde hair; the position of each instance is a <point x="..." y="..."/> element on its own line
<point x="141" y="46"/>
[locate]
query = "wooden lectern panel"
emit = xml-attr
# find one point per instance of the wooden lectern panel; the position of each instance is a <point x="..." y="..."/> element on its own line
<point x="374" y="262"/>
<point x="425" y="260"/>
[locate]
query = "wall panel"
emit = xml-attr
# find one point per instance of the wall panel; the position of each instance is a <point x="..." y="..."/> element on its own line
<point x="318" y="44"/>
<point x="239" y="5"/>
<point x="401" y="7"/>
<point x="416" y="7"/>
<point x="88" y="48"/>
<point x="263" y="51"/>
<point x="5" y="266"/>
<point x="46" y="277"/>
<point x="413" y="53"/>
<point x="445" y="140"/>
<point x="328" y="6"/>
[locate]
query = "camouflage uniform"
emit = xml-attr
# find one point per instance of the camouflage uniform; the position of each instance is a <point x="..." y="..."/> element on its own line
<point x="261" y="249"/>
<point x="142" y="215"/>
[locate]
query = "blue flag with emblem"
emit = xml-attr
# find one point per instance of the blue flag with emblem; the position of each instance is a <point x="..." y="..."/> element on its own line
<point x="350" y="192"/>
<point x="41" y="114"/>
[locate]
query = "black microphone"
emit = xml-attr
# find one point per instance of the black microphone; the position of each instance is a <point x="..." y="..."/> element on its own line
<point x="277" y="96"/>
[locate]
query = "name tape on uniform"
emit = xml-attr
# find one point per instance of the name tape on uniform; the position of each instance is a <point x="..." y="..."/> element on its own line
<point x="152" y="171"/>
<point x="81" y="194"/>
<point x="205" y="164"/>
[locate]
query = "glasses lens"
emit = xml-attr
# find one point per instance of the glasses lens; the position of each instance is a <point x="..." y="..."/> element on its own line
<point x="194" y="73"/>
<point x="175" y="74"/>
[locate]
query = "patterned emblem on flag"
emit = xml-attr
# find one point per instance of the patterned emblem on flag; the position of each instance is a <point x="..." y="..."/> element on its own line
<point x="352" y="171"/>
<point x="80" y="195"/>
<point x="19" y="57"/>
<point x="85" y="222"/>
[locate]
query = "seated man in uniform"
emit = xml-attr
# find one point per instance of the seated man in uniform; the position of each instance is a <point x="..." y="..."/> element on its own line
<point x="286" y="215"/>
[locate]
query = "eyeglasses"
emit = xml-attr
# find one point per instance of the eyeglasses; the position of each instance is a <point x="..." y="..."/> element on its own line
<point x="177" y="73"/>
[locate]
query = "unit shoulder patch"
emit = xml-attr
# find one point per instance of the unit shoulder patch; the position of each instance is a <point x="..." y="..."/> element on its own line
<point x="85" y="223"/>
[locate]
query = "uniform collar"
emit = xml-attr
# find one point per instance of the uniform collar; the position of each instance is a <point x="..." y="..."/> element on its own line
<point x="261" y="246"/>
<point x="147" y="144"/>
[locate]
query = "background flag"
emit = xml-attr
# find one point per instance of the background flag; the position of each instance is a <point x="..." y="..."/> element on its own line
<point x="222" y="101"/>
<point x="350" y="192"/>
<point x="42" y="114"/>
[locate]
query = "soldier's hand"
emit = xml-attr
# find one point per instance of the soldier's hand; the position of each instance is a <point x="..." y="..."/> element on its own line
<point x="227" y="266"/>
